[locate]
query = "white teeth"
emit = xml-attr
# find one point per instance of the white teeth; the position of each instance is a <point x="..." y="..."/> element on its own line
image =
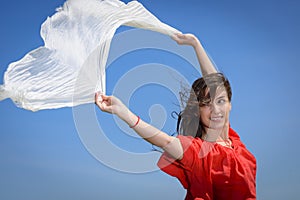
<point x="216" y="118"/>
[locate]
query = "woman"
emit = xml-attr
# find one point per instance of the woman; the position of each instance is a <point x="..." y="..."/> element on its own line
<point x="207" y="157"/>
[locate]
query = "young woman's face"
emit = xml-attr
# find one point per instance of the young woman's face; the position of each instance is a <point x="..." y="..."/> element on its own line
<point x="215" y="115"/>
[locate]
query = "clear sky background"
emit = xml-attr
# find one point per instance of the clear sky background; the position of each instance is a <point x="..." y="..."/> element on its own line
<point x="255" y="43"/>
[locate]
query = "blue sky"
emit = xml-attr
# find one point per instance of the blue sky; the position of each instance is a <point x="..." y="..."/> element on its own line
<point x="255" y="43"/>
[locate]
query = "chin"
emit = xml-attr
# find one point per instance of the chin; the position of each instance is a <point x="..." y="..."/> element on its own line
<point x="217" y="125"/>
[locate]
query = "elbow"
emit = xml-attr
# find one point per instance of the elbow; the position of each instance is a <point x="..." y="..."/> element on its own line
<point x="174" y="148"/>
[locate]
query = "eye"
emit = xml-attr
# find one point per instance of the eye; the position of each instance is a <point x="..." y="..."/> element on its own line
<point x="205" y="103"/>
<point x="221" y="101"/>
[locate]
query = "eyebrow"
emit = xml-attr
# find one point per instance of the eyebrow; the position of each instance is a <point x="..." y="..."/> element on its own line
<point x="223" y="96"/>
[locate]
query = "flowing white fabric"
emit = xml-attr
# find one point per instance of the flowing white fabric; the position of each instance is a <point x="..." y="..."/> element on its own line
<point x="76" y="41"/>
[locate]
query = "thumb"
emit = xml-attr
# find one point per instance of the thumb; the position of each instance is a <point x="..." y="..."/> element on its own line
<point x="104" y="97"/>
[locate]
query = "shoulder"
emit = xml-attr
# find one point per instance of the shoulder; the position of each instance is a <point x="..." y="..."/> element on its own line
<point x="191" y="147"/>
<point x="189" y="141"/>
<point x="233" y="134"/>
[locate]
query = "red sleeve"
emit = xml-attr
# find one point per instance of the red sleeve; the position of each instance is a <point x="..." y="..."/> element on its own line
<point x="179" y="168"/>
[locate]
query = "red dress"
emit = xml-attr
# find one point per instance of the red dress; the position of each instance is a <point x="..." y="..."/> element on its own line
<point x="211" y="171"/>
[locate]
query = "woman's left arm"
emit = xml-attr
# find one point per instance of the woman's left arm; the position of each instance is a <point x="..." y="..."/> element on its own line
<point x="206" y="65"/>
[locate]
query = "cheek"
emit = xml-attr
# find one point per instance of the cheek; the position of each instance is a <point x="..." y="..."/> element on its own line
<point x="227" y="110"/>
<point x="204" y="114"/>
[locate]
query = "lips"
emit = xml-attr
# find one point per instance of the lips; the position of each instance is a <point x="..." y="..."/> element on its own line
<point x="216" y="118"/>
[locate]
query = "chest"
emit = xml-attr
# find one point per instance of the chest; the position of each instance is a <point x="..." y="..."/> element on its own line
<point x="227" y="166"/>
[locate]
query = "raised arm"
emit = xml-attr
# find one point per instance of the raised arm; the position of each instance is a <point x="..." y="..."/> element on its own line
<point x="206" y="65"/>
<point x="151" y="134"/>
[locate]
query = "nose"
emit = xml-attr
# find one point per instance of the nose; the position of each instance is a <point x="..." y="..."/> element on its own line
<point x="214" y="108"/>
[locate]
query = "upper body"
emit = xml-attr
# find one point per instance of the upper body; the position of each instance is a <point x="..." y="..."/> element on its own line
<point x="210" y="161"/>
<point x="211" y="171"/>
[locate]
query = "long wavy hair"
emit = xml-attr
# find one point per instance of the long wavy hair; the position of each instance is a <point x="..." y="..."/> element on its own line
<point x="202" y="92"/>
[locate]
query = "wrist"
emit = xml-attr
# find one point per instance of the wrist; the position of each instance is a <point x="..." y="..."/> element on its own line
<point x="196" y="43"/>
<point x="127" y="116"/>
<point x="136" y="123"/>
<point x="123" y="113"/>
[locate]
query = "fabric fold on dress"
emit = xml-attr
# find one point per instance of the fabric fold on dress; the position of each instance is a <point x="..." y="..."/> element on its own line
<point x="70" y="67"/>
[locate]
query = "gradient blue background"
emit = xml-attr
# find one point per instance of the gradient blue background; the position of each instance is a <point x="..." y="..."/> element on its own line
<point x="256" y="43"/>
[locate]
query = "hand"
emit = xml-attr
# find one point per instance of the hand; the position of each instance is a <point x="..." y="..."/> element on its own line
<point x="185" y="39"/>
<point x="110" y="104"/>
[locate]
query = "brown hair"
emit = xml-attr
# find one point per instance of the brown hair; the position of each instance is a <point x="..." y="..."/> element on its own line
<point x="202" y="92"/>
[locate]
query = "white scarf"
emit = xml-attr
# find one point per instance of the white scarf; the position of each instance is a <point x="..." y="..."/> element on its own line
<point x="76" y="40"/>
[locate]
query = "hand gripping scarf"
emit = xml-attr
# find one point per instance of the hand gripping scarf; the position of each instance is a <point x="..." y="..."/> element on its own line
<point x="76" y="41"/>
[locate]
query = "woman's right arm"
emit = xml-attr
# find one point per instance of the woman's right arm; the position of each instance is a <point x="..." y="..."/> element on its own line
<point x="206" y="65"/>
<point x="148" y="132"/>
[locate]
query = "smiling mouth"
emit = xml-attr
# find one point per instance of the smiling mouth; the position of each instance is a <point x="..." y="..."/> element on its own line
<point x="216" y="119"/>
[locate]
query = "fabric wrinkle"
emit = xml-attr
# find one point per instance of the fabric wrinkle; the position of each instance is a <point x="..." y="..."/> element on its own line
<point x="76" y="40"/>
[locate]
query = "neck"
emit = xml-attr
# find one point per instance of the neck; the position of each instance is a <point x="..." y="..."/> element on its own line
<point x="216" y="135"/>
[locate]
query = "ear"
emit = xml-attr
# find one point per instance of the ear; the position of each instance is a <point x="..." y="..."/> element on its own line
<point x="230" y="106"/>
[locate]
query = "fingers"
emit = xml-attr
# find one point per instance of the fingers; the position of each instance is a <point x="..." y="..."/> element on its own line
<point x="103" y="102"/>
<point x="180" y="35"/>
<point x="104" y="97"/>
<point x="99" y="99"/>
<point x="185" y="39"/>
<point x="96" y="97"/>
<point x="102" y="106"/>
<point x="181" y="38"/>
<point x="176" y="36"/>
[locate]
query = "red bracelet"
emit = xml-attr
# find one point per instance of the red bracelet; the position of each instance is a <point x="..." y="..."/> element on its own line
<point x="138" y="120"/>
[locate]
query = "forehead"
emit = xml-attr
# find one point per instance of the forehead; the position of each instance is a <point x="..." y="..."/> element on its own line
<point x="220" y="91"/>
